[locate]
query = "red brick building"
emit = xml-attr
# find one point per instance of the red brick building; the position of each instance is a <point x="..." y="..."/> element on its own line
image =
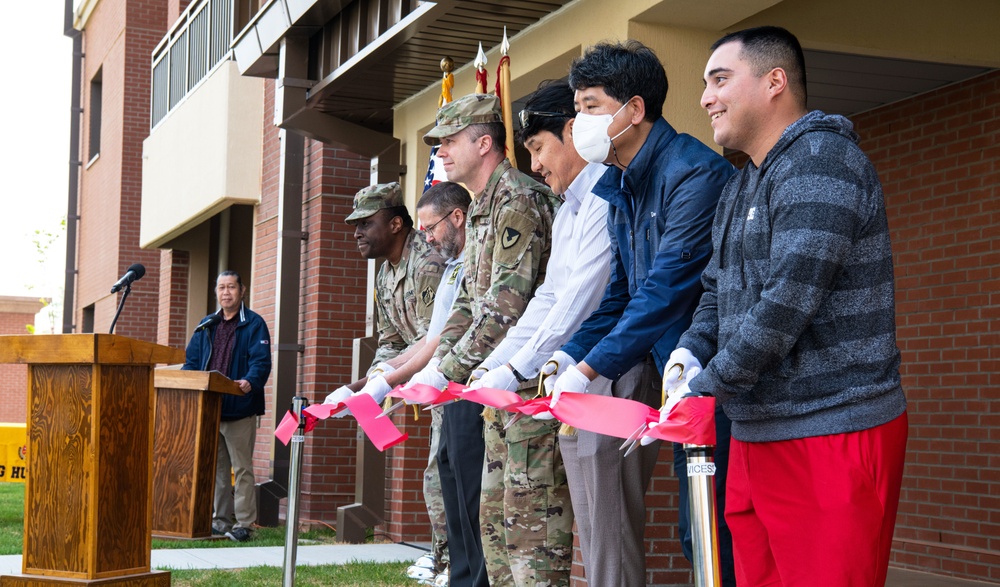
<point x="192" y="175"/>
<point x="17" y="316"/>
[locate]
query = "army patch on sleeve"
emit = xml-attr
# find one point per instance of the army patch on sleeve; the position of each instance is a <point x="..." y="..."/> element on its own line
<point x="514" y="236"/>
<point x="509" y="237"/>
<point x="427" y="296"/>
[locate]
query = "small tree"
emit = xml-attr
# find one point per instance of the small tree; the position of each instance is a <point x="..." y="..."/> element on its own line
<point x="43" y="241"/>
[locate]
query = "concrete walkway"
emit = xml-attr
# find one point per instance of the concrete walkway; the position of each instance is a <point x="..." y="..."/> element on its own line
<point x="270" y="556"/>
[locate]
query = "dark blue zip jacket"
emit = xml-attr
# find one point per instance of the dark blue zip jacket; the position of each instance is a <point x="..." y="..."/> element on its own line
<point x="251" y="360"/>
<point x="660" y="219"/>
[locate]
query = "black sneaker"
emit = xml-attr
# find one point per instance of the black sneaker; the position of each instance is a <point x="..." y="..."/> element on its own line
<point x="217" y="532"/>
<point x="239" y="534"/>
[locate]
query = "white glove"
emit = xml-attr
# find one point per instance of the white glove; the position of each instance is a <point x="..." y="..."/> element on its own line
<point x="500" y="378"/>
<point x="340" y="394"/>
<point x="488" y="365"/>
<point x="682" y="367"/>
<point x="554" y="367"/>
<point x="382" y="368"/>
<point x="377" y="387"/>
<point x="673" y="397"/>
<point x="430" y="375"/>
<point x="571" y="380"/>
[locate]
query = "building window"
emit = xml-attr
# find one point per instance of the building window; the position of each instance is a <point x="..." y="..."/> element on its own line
<point x="95" y="115"/>
<point x="88" y="319"/>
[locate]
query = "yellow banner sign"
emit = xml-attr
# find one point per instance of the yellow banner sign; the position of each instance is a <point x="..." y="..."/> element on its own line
<point x="13" y="451"/>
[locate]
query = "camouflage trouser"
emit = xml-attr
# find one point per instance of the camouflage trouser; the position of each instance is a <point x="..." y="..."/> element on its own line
<point x="432" y="495"/>
<point x="525" y="511"/>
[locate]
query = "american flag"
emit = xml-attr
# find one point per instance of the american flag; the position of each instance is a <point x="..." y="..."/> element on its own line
<point x="435" y="170"/>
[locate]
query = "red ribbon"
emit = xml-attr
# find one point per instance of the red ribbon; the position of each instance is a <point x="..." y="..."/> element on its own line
<point x="691" y="421"/>
<point x="381" y="431"/>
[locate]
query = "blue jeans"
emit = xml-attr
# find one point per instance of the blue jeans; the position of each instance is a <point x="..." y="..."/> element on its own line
<point x="722" y="427"/>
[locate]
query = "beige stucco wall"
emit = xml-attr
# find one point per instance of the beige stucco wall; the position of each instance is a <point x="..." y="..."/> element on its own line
<point x="203" y="157"/>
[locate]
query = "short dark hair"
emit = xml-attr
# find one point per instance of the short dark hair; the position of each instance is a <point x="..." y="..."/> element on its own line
<point x="230" y="273"/>
<point x="495" y="130"/>
<point x="551" y="97"/>
<point x="624" y="70"/>
<point x="768" y="47"/>
<point x="444" y="197"/>
<point x="402" y="212"/>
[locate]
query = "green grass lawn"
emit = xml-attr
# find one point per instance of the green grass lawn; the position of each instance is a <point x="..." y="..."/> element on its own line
<point x="11" y="517"/>
<point x="347" y="575"/>
<point x="12" y="529"/>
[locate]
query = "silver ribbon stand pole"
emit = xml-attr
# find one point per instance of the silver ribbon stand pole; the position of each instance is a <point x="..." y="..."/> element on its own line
<point x="292" y="511"/>
<point x="704" y="529"/>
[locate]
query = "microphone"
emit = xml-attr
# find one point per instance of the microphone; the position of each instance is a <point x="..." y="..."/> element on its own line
<point x="135" y="272"/>
<point x="207" y="322"/>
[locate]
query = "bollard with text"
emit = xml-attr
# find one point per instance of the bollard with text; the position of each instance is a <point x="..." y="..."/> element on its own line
<point x="704" y="528"/>
<point x="292" y="512"/>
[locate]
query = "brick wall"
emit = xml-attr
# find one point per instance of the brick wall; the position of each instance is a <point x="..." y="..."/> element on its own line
<point x="16" y="313"/>
<point x="938" y="156"/>
<point x="261" y="284"/>
<point x="174" y="277"/>
<point x="334" y="295"/>
<point x="118" y="40"/>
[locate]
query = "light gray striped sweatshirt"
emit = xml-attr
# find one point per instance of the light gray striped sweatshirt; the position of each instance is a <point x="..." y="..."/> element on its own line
<point x="796" y="327"/>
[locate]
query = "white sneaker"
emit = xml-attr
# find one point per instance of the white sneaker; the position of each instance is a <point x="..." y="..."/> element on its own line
<point x="425" y="562"/>
<point x="424" y="576"/>
<point x="442" y="580"/>
<point x="424" y="570"/>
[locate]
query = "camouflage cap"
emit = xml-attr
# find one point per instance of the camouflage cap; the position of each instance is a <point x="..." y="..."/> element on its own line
<point x="374" y="198"/>
<point x="457" y="115"/>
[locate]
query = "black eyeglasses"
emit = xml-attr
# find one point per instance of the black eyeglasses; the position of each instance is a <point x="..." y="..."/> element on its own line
<point x="431" y="227"/>
<point x="525" y="116"/>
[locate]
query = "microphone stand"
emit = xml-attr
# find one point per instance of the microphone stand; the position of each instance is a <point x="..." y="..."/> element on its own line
<point x="121" y="304"/>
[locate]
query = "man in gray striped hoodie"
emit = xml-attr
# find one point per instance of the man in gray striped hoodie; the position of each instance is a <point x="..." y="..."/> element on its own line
<point x="795" y="333"/>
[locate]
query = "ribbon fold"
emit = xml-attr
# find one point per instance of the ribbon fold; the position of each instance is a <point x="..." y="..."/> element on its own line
<point x="380" y="431"/>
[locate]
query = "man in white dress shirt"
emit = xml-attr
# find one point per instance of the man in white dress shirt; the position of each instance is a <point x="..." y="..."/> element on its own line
<point x="526" y="514"/>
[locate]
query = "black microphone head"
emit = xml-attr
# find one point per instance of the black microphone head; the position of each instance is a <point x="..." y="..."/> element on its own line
<point x="137" y="269"/>
<point x="209" y="321"/>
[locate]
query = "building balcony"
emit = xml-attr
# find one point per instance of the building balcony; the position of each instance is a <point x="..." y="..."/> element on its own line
<point x="203" y="153"/>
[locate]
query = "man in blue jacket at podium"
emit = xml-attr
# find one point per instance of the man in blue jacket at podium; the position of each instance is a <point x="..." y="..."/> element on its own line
<point x="235" y="342"/>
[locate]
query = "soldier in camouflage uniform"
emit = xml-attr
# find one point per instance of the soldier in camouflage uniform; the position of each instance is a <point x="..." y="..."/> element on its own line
<point x="508" y="241"/>
<point x="527" y="513"/>
<point x="404" y="286"/>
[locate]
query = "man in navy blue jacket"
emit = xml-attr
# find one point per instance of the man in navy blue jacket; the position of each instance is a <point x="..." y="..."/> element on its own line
<point x="663" y="188"/>
<point x="236" y="342"/>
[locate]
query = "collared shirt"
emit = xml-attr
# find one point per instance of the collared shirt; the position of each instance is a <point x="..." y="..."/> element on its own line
<point x="576" y="277"/>
<point x="224" y="337"/>
<point x="507" y="246"/>
<point x="447" y="291"/>
<point x="404" y="296"/>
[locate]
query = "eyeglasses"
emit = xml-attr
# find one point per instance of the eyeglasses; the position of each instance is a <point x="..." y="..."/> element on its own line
<point x="525" y="116"/>
<point x="431" y="227"/>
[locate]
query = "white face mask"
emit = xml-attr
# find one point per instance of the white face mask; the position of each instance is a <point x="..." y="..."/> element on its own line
<point x="590" y="135"/>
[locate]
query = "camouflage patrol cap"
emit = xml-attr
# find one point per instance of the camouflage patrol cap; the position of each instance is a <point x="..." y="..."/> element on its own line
<point x="374" y="198"/>
<point x="457" y="115"/>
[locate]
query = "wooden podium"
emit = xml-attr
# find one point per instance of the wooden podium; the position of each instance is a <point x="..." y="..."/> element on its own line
<point x="90" y="440"/>
<point x="185" y="443"/>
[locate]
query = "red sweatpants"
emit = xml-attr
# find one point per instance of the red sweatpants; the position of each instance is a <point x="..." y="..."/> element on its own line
<point x="816" y="512"/>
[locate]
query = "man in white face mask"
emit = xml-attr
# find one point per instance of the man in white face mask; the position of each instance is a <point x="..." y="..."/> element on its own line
<point x="662" y="189"/>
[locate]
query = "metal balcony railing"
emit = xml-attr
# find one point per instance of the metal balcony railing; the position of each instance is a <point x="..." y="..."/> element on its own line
<point x="193" y="47"/>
